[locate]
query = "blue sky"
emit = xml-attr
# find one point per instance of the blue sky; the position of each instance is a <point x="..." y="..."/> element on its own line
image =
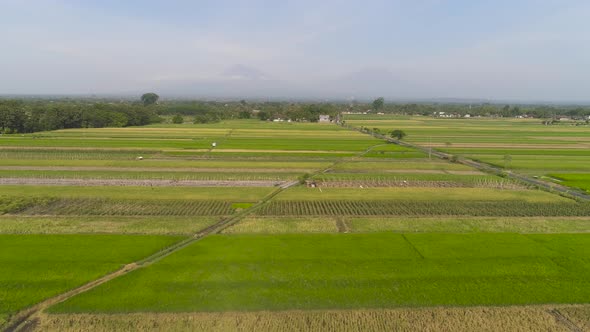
<point x="520" y="49"/>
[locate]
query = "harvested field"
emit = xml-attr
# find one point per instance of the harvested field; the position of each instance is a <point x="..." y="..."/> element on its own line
<point x="140" y="183"/>
<point x="532" y="225"/>
<point x="158" y="225"/>
<point x="578" y="315"/>
<point x="278" y="225"/>
<point x="492" y="319"/>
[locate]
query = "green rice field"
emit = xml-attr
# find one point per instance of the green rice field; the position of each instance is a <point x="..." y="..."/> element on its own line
<point x="292" y="220"/>
<point x="352" y="271"/>
<point x="35" y="267"/>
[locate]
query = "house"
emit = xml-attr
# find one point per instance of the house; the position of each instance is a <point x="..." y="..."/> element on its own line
<point x="467" y="116"/>
<point x="324" y="118"/>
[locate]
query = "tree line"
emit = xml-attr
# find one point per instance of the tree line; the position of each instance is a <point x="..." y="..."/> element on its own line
<point x="18" y="116"/>
<point x="33" y="115"/>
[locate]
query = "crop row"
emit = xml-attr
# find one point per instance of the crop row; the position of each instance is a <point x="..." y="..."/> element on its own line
<point x="148" y="175"/>
<point x="60" y="154"/>
<point x="110" y="207"/>
<point x="420" y="183"/>
<point x="10" y="204"/>
<point x="425" y="208"/>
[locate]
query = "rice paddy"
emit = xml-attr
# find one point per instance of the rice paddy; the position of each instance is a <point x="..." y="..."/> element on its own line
<point x="295" y="225"/>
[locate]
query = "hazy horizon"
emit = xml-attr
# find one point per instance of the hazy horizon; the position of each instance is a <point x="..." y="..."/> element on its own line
<point x="402" y="50"/>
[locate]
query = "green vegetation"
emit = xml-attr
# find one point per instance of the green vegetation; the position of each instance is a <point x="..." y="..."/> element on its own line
<point x="244" y="194"/>
<point x="381" y="270"/>
<point x="149" y="175"/>
<point x="36" y="267"/>
<point x="470" y="224"/>
<point x="281" y="225"/>
<point x="153" y="225"/>
<point x="465" y="195"/>
<point x="581" y="181"/>
<point x="526" y="141"/>
<point x="500" y="208"/>
<point x="421" y="231"/>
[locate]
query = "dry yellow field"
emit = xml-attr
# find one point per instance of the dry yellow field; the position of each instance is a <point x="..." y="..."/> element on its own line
<point x="522" y="318"/>
<point x="278" y="225"/>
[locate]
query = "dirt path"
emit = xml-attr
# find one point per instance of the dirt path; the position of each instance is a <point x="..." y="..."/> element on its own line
<point x="341" y="225"/>
<point x="28" y="318"/>
<point x="551" y="187"/>
<point x="564" y="320"/>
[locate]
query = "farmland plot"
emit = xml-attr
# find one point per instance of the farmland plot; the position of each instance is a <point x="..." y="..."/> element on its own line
<point x="463" y="319"/>
<point x="346" y="271"/>
<point x="35" y="267"/>
<point x="451" y="231"/>
<point x="87" y="224"/>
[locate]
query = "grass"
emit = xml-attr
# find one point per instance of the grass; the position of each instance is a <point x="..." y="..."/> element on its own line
<point x="239" y="135"/>
<point x="471" y="225"/>
<point x="325" y="224"/>
<point x="407" y="247"/>
<point x="424" y="164"/>
<point x="350" y="271"/>
<point x="282" y="225"/>
<point x="159" y="225"/>
<point x="242" y="194"/>
<point x="418" y="194"/>
<point x="36" y="267"/>
<point x="168" y="164"/>
<point x="561" y="147"/>
<point x="581" y="181"/>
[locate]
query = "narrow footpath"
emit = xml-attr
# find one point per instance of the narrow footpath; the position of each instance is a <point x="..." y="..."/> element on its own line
<point x="25" y="320"/>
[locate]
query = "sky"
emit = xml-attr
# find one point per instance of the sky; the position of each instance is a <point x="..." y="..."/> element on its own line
<point x="527" y="50"/>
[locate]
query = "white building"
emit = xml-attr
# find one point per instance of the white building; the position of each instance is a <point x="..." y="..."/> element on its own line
<point x="324" y="118"/>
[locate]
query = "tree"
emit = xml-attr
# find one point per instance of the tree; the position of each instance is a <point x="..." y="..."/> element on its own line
<point x="244" y="115"/>
<point x="263" y="116"/>
<point x="398" y="134"/>
<point x="149" y="98"/>
<point x="178" y="119"/>
<point x="507" y="161"/>
<point x="378" y="103"/>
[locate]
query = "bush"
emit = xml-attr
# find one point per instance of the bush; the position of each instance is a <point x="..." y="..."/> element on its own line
<point x="178" y="119"/>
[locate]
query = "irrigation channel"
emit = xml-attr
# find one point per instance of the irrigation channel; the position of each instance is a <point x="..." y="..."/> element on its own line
<point x="26" y="319"/>
<point x="551" y="187"/>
